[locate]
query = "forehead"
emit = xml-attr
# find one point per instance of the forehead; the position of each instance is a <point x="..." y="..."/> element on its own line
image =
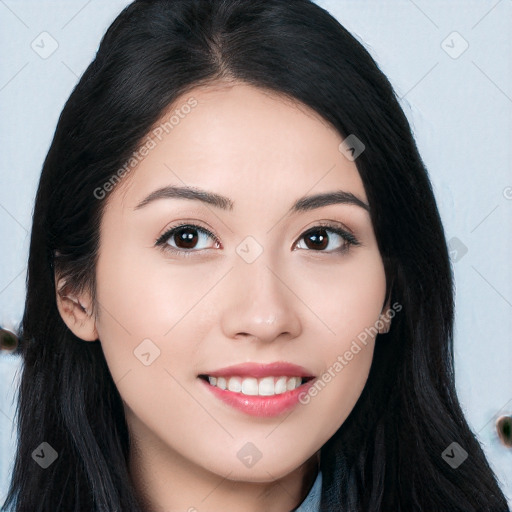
<point x="247" y="142"/>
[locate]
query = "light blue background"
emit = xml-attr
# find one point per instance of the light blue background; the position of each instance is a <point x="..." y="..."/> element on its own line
<point x="460" y="109"/>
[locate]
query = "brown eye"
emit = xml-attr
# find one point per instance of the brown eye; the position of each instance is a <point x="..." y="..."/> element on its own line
<point x="321" y="237"/>
<point x="183" y="239"/>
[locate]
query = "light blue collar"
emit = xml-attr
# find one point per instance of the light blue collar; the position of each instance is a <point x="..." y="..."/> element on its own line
<point x="312" y="501"/>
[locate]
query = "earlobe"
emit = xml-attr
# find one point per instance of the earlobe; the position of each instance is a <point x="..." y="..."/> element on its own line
<point x="76" y="312"/>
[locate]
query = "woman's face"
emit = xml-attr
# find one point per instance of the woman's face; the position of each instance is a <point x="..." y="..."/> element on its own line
<point x="258" y="290"/>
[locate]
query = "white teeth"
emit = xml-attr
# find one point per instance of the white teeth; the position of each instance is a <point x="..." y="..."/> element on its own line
<point x="235" y="384"/>
<point x="290" y="384"/>
<point x="280" y="385"/>
<point x="249" y="385"/>
<point x="266" y="386"/>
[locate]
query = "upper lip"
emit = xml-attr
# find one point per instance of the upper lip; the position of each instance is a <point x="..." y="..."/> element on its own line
<point x="258" y="370"/>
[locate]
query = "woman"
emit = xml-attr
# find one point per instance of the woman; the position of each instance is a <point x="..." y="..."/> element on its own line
<point x="302" y="358"/>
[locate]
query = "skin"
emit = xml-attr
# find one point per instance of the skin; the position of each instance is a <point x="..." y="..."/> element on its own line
<point x="294" y="303"/>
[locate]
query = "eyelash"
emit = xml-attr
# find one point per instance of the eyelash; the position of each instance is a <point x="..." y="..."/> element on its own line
<point x="349" y="238"/>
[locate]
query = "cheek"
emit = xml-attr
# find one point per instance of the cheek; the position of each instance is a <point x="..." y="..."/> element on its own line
<point x="151" y="320"/>
<point x="147" y="296"/>
<point x="348" y="299"/>
<point x="347" y="296"/>
<point x="146" y="336"/>
<point x="347" y="358"/>
<point x="344" y="378"/>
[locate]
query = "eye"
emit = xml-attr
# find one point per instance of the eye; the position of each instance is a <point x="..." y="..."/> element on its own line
<point x="318" y="239"/>
<point x="185" y="236"/>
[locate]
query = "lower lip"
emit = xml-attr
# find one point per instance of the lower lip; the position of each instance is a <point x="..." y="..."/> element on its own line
<point x="261" y="406"/>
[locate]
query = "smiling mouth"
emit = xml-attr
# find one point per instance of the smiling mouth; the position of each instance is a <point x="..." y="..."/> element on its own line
<point x="264" y="386"/>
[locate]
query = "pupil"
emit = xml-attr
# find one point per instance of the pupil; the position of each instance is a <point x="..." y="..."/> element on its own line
<point x="187" y="236"/>
<point x="319" y="241"/>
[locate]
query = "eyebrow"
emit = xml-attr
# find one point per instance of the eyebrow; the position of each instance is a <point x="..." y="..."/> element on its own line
<point x="301" y="205"/>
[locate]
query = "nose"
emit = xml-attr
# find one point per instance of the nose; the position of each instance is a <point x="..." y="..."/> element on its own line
<point x="261" y="305"/>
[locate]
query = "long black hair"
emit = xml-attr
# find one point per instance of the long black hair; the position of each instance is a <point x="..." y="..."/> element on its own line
<point x="388" y="454"/>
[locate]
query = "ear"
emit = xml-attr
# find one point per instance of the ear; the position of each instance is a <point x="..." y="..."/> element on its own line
<point x="76" y="311"/>
<point x="384" y="318"/>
